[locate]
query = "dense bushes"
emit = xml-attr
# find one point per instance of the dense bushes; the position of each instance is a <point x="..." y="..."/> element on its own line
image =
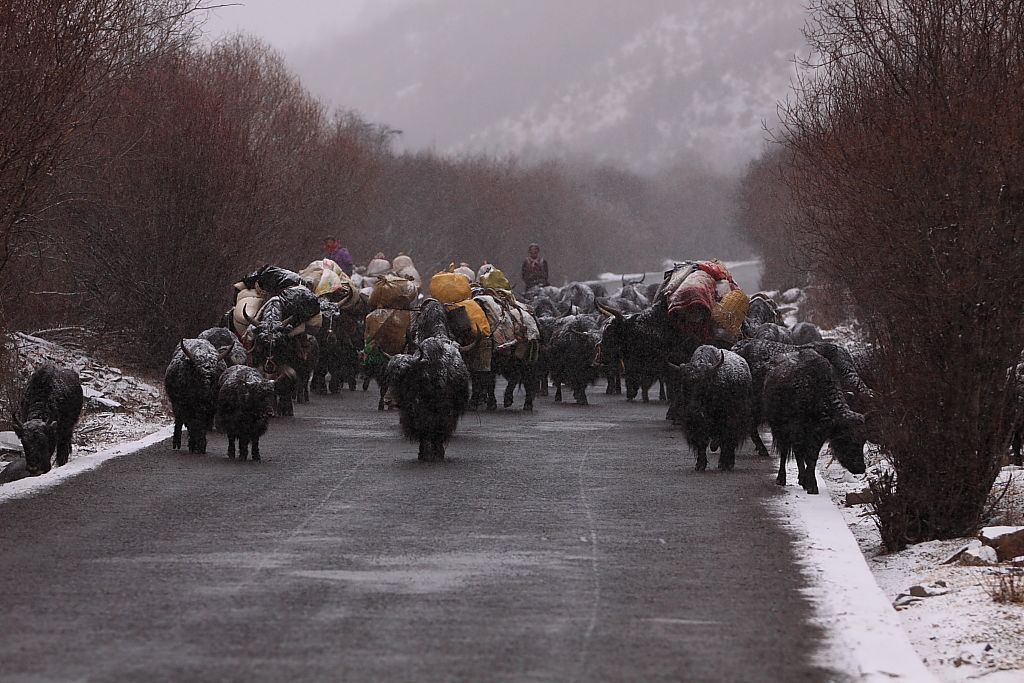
<point x="143" y="173"/>
<point x="904" y="188"/>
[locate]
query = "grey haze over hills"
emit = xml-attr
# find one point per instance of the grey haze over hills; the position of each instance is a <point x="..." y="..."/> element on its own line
<point x="645" y="82"/>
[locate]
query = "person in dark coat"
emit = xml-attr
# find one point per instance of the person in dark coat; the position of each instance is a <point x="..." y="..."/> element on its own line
<point x="337" y="253"/>
<point x="535" y="269"/>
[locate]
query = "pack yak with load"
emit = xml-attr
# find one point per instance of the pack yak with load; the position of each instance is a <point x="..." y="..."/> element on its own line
<point x="514" y="347"/>
<point x="431" y="385"/>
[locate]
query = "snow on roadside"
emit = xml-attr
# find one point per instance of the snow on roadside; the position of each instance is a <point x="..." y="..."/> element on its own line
<point x="119" y="408"/>
<point x="961" y="634"/>
<point x="864" y="635"/>
<point x="77" y="465"/>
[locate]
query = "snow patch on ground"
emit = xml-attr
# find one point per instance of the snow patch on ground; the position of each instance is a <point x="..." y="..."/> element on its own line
<point x="30" y="486"/>
<point x="103" y="431"/>
<point x="865" y="634"/>
<point x="961" y="635"/>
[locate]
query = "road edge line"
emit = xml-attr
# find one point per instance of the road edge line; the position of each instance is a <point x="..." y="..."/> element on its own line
<point x="30" y="486"/>
<point x="858" y="617"/>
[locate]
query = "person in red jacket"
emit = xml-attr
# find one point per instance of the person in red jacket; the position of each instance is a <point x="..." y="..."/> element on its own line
<point x="337" y="253"/>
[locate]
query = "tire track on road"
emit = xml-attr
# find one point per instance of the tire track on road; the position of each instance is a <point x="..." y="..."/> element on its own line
<point x="277" y="549"/>
<point x="595" y="572"/>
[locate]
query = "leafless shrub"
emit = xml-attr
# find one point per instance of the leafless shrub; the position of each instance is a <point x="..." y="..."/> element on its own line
<point x="764" y="215"/>
<point x="1005" y="586"/>
<point x="165" y="170"/>
<point x="213" y="162"/>
<point x="60" y="63"/>
<point x="903" y="134"/>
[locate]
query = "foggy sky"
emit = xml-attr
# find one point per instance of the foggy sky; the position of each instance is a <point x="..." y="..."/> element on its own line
<point x="641" y="81"/>
<point x="293" y="25"/>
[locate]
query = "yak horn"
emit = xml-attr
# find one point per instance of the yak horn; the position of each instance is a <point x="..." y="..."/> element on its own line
<point x="191" y="358"/>
<point x="469" y="348"/>
<point x="721" y="360"/>
<point x="247" y="317"/>
<point x="609" y="311"/>
<point x="677" y="368"/>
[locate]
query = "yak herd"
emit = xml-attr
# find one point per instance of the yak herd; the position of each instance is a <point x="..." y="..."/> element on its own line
<point x="808" y="391"/>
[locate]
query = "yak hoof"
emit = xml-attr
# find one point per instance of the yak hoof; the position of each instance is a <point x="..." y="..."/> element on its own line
<point x="701" y="465"/>
<point x="781" y="481"/>
<point x="528" y="408"/>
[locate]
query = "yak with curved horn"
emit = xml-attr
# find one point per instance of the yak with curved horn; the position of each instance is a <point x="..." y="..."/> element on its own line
<point x="191" y="381"/>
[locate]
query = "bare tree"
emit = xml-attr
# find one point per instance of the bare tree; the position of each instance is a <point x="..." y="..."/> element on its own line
<point x="905" y="132"/>
<point x="59" y="62"/>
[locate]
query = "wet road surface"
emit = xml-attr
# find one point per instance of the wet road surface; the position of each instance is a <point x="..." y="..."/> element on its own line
<point x="571" y="544"/>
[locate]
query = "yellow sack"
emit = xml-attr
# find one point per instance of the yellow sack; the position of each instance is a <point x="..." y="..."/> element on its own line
<point x="450" y="287"/>
<point x="730" y="312"/>
<point x="494" y="279"/>
<point x="386" y="329"/>
<point x="478" y="323"/>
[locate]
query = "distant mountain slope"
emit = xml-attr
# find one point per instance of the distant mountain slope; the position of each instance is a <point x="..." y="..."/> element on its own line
<point x="639" y="81"/>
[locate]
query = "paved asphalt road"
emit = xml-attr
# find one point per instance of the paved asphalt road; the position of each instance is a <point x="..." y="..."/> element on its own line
<point x="571" y="544"/>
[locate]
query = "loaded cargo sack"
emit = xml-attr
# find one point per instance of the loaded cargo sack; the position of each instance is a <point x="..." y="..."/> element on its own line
<point x="330" y="281"/>
<point x="377" y="266"/>
<point x="393" y="291"/>
<point x="704" y="302"/>
<point x="468" y="321"/>
<point x="273" y="280"/>
<point x="450" y="287"/>
<point x="494" y="279"/>
<point x="403" y="266"/>
<point x="513" y="327"/>
<point x="728" y="315"/>
<point x="299" y="303"/>
<point x="247" y="303"/>
<point x="303" y="307"/>
<point x="386" y="329"/>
